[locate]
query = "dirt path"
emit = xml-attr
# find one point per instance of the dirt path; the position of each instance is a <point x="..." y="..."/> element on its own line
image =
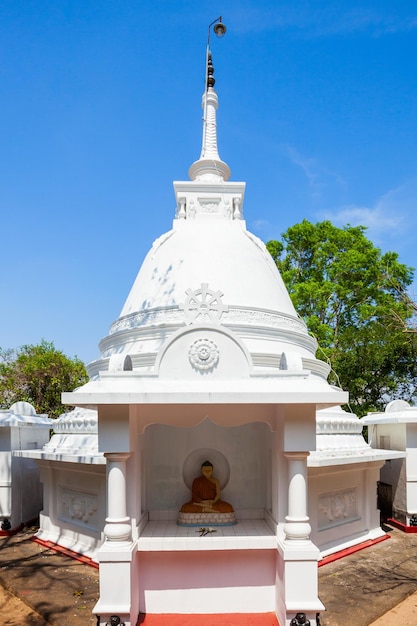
<point x="358" y="589"/>
<point x="404" y="613"/>
<point x="14" y="612"/>
<point x="41" y="587"/>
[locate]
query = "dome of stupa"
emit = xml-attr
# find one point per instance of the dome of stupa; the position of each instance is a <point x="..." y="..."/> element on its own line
<point x="209" y="270"/>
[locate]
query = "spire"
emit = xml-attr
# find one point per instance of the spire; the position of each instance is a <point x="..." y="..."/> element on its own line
<point x="210" y="104"/>
<point x="209" y="196"/>
<point x="209" y="166"/>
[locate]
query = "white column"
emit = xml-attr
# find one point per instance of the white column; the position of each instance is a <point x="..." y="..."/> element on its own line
<point x="297" y="525"/>
<point x="118" y="527"/>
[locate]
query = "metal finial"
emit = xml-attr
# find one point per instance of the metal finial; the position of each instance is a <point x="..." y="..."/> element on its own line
<point x="210" y="71"/>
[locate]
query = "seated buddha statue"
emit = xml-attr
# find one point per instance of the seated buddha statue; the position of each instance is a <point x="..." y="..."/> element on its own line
<point x="205" y="494"/>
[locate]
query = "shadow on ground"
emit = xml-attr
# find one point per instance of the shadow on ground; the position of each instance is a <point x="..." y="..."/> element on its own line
<point x="59" y="590"/>
<point x="360" y="588"/>
<point x="41" y="587"/>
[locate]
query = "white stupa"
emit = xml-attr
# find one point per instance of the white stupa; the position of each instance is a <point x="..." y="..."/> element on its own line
<point x="208" y="360"/>
<point x="209" y="269"/>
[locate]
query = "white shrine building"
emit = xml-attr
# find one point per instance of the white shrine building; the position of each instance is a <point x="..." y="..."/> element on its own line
<point x="343" y="472"/>
<point x="209" y="360"/>
<point x="21" y="429"/>
<point x="396" y="429"/>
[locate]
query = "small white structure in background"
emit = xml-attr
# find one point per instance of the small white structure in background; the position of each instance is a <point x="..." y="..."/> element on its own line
<point x="21" y="428"/>
<point x="73" y="473"/>
<point x="396" y="429"/>
<point x="343" y="473"/>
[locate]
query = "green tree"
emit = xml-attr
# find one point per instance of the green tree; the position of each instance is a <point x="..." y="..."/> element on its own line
<point x="351" y="296"/>
<point x="39" y="374"/>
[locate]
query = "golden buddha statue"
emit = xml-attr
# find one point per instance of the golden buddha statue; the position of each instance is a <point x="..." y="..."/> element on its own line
<point x="205" y="494"/>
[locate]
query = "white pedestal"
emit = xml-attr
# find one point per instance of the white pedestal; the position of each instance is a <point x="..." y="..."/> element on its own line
<point x="118" y="583"/>
<point x="297" y="569"/>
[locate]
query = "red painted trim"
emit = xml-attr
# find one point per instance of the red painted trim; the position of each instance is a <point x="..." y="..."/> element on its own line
<point x="342" y="553"/>
<point x="217" y="619"/>
<point x="73" y="555"/>
<point x="401" y="526"/>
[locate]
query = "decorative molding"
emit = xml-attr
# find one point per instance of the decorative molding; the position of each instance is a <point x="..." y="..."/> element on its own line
<point x="227" y="209"/>
<point x="145" y="319"/>
<point x="209" y="205"/>
<point x="337" y="421"/>
<point x="181" y="213"/>
<point x="203" y="305"/>
<point x="191" y="209"/>
<point x="230" y="315"/>
<point x="337" y="508"/>
<point x="190" y="206"/>
<point x="79" y="508"/>
<point x="78" y="421"/>
<point x="203" y="354"/>
<point x="265" y="318"/>
<point x="201" y="519"/>
<point x="237" y="212"/>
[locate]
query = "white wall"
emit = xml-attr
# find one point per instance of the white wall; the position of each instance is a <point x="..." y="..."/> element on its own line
<point x="74" y="505"/>
<point x="343" y="505"/>
<point x="245" y="448"/>
<point x="240" y="581"/>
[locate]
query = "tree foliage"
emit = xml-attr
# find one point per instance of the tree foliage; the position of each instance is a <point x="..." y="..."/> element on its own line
<point x="351" y="296"/>
<point x="38" y="374"/>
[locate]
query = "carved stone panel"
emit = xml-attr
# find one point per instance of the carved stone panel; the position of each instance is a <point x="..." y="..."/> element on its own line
<point x="79" y="508"/>
<point x="337" y="508"/>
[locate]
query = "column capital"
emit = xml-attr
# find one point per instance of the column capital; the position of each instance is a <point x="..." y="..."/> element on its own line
<point x="301" y="454"/>
<point x="117" y="456"/>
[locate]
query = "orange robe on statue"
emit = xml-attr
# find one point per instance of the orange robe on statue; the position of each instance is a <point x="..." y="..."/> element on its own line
<point x="204" y="489"/>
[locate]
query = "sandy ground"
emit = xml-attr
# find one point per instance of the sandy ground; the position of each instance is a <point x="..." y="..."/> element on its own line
<point x="403" y="613"/>
<point x="15" y="612"/>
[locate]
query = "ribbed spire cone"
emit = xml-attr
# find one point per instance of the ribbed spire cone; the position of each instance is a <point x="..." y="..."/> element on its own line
<point x="209" y="165"/>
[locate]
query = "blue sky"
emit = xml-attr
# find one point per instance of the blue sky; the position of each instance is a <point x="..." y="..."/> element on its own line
<point x="100" y="112"/>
